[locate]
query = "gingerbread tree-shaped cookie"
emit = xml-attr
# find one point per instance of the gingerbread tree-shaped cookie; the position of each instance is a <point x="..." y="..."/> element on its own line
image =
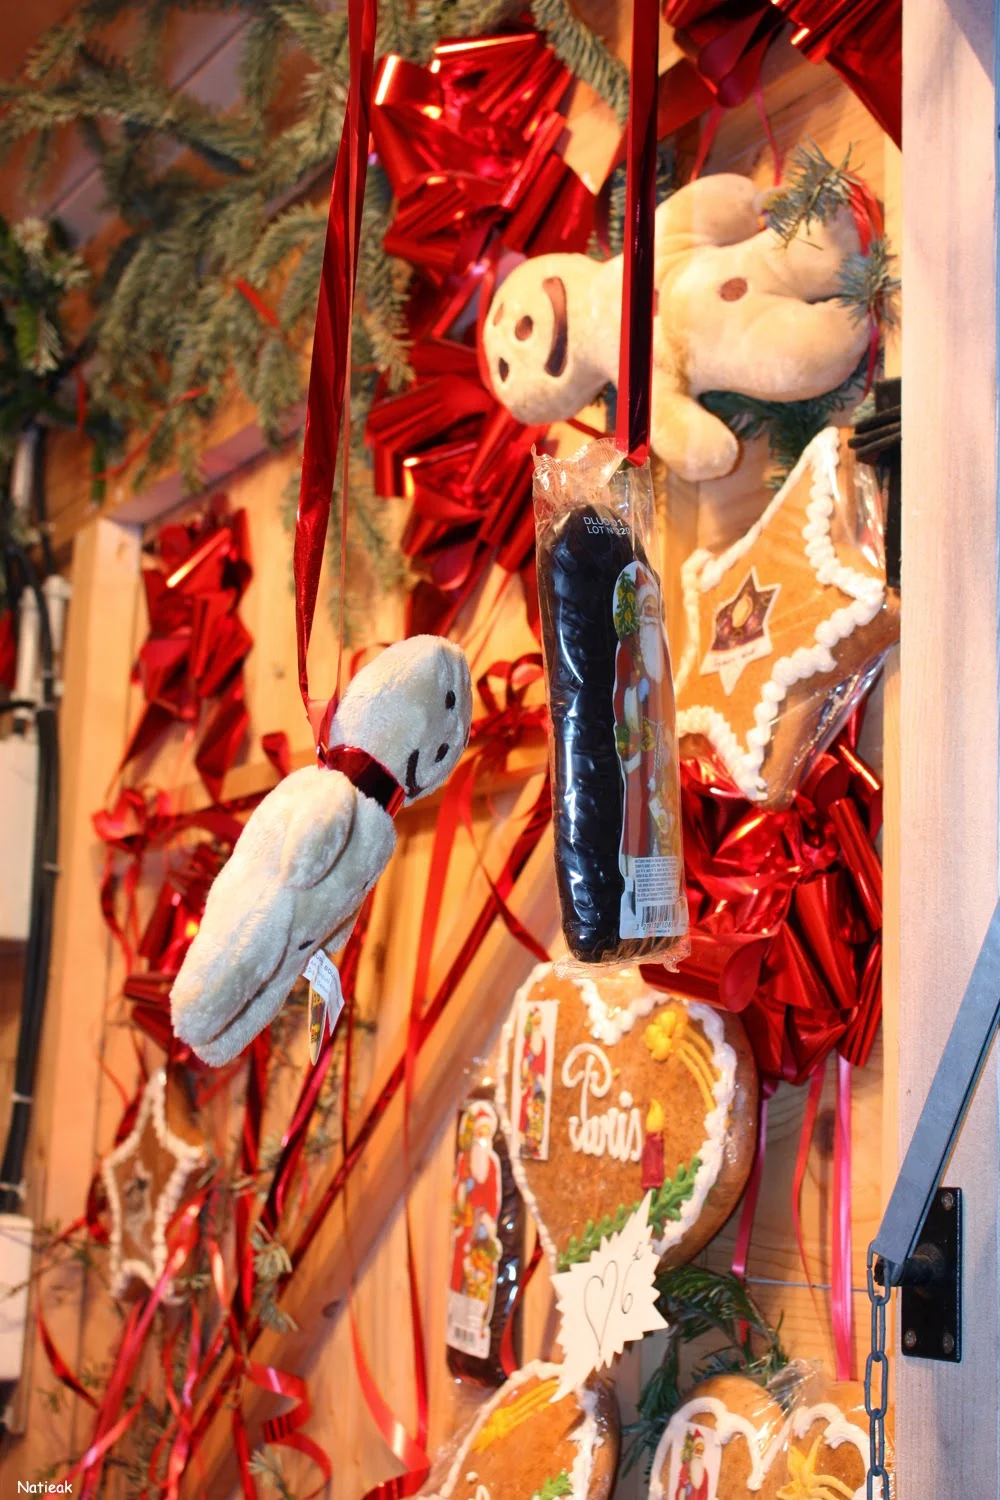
<point x="784" y="626"/>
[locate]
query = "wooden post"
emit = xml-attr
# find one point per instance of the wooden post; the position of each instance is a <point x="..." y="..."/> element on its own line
<point x="946" y="1415"/>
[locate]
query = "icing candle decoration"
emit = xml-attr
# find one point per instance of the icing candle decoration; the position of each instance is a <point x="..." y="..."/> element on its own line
<point x="720" y="1445"/>
<point x="653" y="1161"/>
<point x="644" y="1092"/>
<point x="527" y="1445"/>
<point x="786" y="624"/>
<point x="145" y="1177"/>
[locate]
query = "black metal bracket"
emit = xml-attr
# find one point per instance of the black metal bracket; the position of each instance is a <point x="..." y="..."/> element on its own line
<point x="931" y="1284"/>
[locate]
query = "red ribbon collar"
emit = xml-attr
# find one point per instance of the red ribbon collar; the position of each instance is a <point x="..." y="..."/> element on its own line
<point x="369" y="775"/>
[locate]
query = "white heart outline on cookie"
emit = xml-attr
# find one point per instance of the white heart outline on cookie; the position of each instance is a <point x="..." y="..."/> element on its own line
<point x="703" y="571"/>
<point x="728" y="1424"/>
<point x="585" y="1434"/>
<point x="609" y="1025"/>
<point x="838" y="1430"/>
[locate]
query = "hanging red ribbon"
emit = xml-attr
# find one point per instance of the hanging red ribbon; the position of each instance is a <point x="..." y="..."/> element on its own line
<point x="328" y="371"/>
<point x="635" y="356"/>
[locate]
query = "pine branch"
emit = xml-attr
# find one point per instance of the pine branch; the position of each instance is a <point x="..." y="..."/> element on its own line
<point x="814" y="189"/>
<point x="584" y="53"/>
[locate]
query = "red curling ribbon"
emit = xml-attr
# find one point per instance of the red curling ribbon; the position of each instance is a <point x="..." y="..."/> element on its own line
<point x="276" y="747"/>
<point x="330" y="353"/>
<point x="635" y="357"/>
<point x="125" y="463"/>
<point x="8" y="650"/>
<point x="802" y="1162"/>
<point x="841" y="1293"/>
<point x="257" y="302"/>
<point x="744" y="1233"/>
<point x="60" y="1368"/>
<point x="859" y="1038"/>
<point x="862" y="857"/>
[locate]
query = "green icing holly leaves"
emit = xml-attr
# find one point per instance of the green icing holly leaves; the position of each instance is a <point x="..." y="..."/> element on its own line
<point x="665" y="1205"/>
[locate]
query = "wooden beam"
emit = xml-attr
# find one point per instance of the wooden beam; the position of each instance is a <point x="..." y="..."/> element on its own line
<point x="946" y="1415"/>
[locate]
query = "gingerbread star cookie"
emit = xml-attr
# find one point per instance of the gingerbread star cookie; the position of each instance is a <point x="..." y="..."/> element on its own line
<point x="144" y="1177"/>
<point x="524" y="1445"/>
<point x="785" y="624"/>
<point x="721" y="1444"/>
<point x="828" y="1452"/>
<point x="608" y="1089"/>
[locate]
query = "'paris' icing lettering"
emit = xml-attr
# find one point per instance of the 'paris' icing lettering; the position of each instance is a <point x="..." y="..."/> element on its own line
<point x="618" y="1131"/>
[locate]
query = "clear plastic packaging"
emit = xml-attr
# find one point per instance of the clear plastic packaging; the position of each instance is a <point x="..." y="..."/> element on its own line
<point x="801" y="1437"/>
<point x="524" y="1444"/>
<point x="487" y="1244"/>
<point x="616" y="799"/>
<point x="786" y="629"/>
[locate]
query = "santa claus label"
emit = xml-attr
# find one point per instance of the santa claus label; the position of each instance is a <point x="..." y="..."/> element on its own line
<point x="531" y="1083"/>
<point x="477" y="1194"/>
<point x="650" y="851"/>
<point x="694" y="1465"/>
<point x="740" y="633"/>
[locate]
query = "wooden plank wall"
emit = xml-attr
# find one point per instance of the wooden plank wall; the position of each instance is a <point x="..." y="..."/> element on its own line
<point x="802" y="101"/>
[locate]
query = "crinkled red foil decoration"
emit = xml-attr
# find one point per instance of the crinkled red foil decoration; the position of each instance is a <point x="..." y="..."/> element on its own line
<point x="471" y="148"/>
<point x="191" y="664"/>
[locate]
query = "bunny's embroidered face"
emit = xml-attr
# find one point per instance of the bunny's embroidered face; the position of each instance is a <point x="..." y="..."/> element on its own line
<point x="411" y="708"/>
<point x="535" y="339"/>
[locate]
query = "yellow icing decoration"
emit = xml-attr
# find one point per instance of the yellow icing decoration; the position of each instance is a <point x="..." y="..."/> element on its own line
<point x="655" y="1118"/>
<point x="671" y="1035"/>
<point x="506" y="1418"/>
<point x="806" y="1484"/>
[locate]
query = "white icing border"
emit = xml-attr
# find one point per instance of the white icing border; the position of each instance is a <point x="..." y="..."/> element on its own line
<point x="728" y="1424"/>
<point x="154" y="1100"/>
<point x="838" y="1430"/>
<point x="608" y="1030"/>
<point x="585" y="1435"/>
<point x="703" y="571"/>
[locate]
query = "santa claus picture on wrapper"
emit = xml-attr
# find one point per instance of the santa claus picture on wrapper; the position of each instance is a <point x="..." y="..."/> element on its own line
<point x="649" y="857"/>
<point x="694" y="1465"/>
<point x="476" y="1248"/>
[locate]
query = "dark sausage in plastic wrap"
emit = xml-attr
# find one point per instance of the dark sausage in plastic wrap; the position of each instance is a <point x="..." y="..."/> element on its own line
<point x="619" y="861"/>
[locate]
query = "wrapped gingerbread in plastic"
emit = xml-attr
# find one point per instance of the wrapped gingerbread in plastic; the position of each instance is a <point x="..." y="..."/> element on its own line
<point x="616" y="801"/>
<point x="826" y="1456"/>
<point x="725" y="1443"/>
<point x="786" y="629"/>
<point x="524" y="1443"/>
<point x="487" y="1244"/>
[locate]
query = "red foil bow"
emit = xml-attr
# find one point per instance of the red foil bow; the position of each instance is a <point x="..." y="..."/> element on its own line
<point x="191" y="664"/>
<point x="470" y="148"/>
<point x="785" y="914"/>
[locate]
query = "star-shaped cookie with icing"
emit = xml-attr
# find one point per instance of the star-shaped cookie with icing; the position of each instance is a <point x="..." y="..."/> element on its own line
<point x="784" y="626"/>
<point x="144" y="1177"/>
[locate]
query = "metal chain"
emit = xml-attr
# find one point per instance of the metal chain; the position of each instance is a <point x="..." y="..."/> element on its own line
<point x="877" y="1360"/>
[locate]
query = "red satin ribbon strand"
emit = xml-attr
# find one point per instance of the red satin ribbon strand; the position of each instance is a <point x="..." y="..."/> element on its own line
<point x="741" y="1249"/>
<point x="635" y="361"/>
<point x="841" y="1293"/>
<point x="328" y="371"/>
<point x="60" y="1368"/>
<point x="802" y="1162"/>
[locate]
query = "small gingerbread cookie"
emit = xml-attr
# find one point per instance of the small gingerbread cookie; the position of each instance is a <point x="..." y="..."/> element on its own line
<point x="785" y="624"/>
<point x="524" y="1445"/>
<point x="721" y="1445"/>
<point x="828" y="1452"/>
<point x="608" y="1089"/>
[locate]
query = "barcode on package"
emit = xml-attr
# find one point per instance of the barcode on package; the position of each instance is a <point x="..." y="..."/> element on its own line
<point x="652" y="903"/>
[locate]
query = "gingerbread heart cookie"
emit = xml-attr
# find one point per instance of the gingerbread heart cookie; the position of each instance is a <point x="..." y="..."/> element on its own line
<point x="608" y="1089"/>
<point x="524" y="1445"/>
<point x="721" y="1445"/>
<point x="785" y="624"/>
<point x="828" y="1452"/>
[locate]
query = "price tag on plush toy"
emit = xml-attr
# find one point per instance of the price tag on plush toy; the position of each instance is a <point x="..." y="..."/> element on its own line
<point x="326" y="999"/>
<point x="608" y="1300"/>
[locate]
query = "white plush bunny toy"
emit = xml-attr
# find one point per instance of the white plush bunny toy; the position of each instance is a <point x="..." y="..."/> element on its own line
<point x="738" y="309"/>
<point x="316" y="845"/>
